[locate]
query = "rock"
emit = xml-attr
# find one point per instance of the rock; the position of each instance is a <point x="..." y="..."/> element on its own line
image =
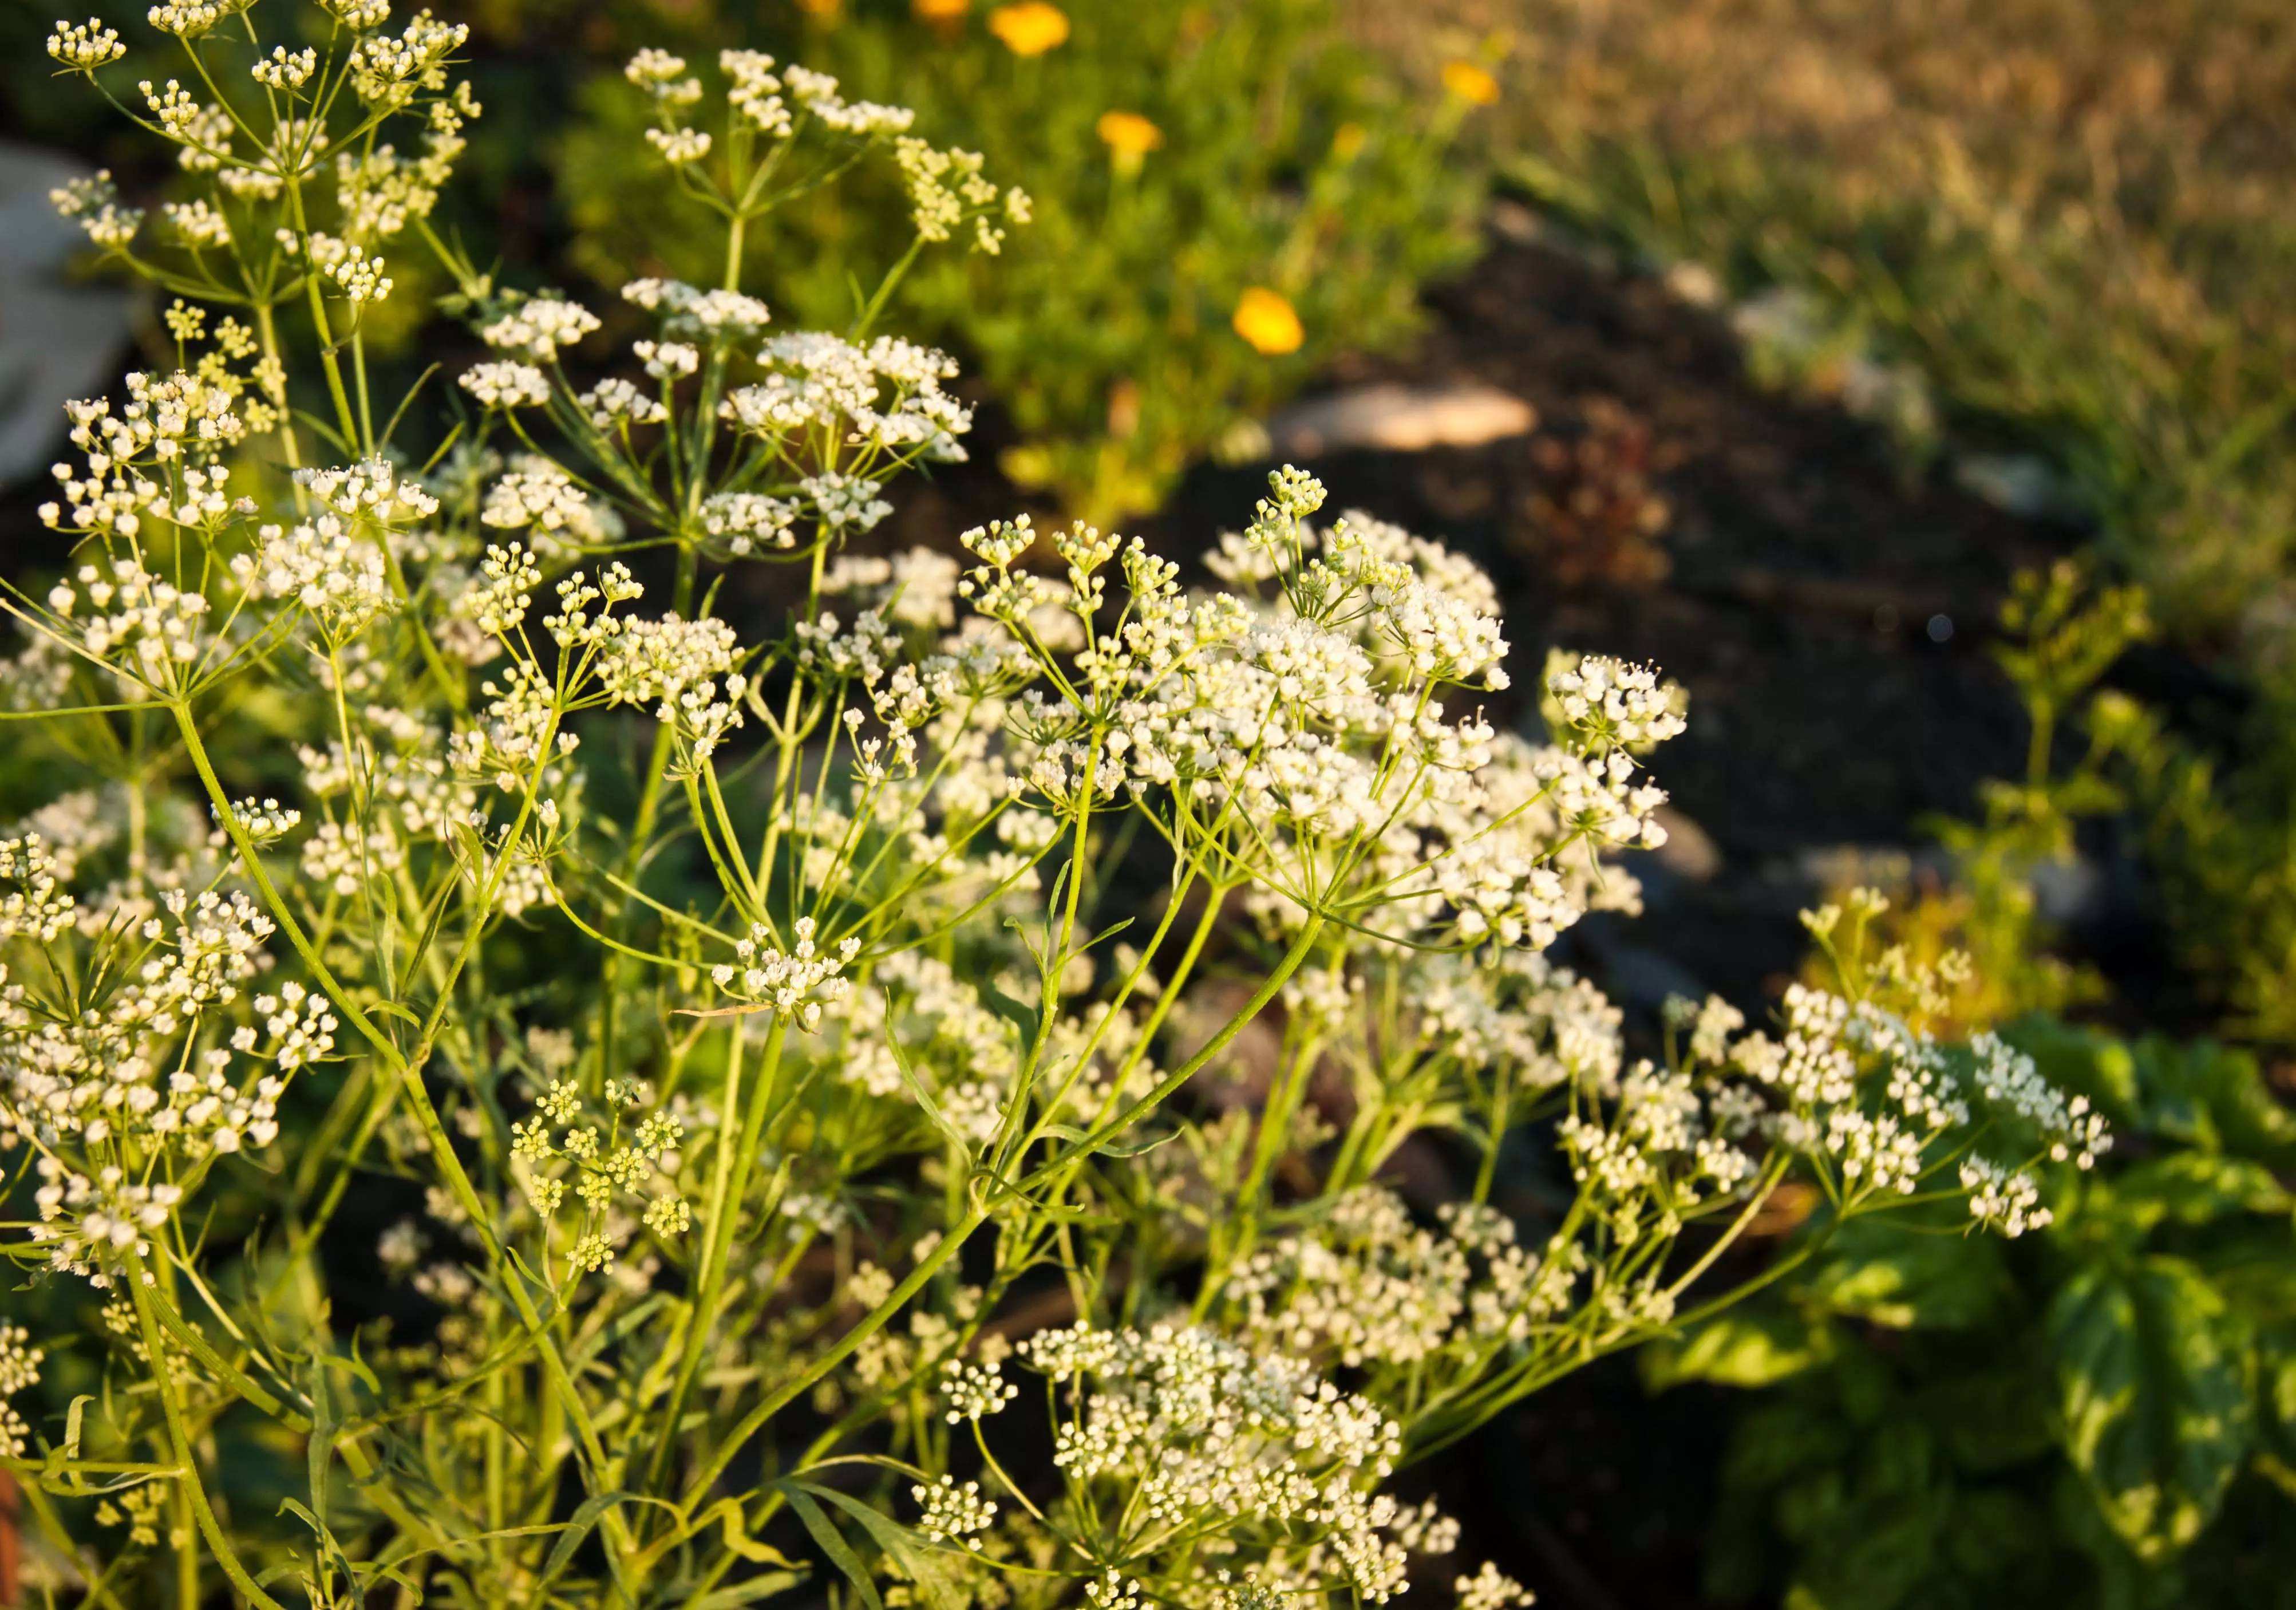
<point x="2016" y="483"/>
<point x="1695" y="284"/>
<point x="2066" y="893"/>
<point x="1399" y="419"/>
<point x="1689" y="851"/>
<point x="58" y="342"/>
<point x="1513" y="221"/>
<point x="1643" y="979"/>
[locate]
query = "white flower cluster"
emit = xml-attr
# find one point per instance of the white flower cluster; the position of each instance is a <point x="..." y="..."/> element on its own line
<point x="264" y="821"/>
<point x="764" y="101"/>
<point x="691" y="314"/>
<point x="357" y="276"/>
<point x="94" y="203"/>
<point x="1490" y="1588"/>
<point x="2007" y="1200"/>
<point x="612" y="1160"/>
<point x="539" y="327"/>
<point x="974" y="1391"/>
<point x="2071" y="1128"/>
<point x="19" y="1371"/>
<point x="1613" y="705"/>
<point x="617" y="403"/>
<point x="507" y="385"/>
<point x="340" y="578"/>
<point x="1188" y="1434"/>
<point x="171" y="430"/>
<point x="387" y="72"/>
<point x="283" y="69"/>
<point x="90" y="1224"/>
<point x="886" y="395"/>
<point x="189" y="19"/>
<point x="947" y="192"/>
<point x="145" y="627"/>
<point x="537" y="494"/>
<point x="745" y="522"/>
<point x="1368" y="1285"/>
<point x="84" y="47"/>
<point x="798" y="982"/>
<point x="952" y="1513"/>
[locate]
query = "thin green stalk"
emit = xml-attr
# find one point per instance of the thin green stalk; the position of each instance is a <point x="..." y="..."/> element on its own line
<point x="728" y="1186"/>
<point x="141" y="1295"/>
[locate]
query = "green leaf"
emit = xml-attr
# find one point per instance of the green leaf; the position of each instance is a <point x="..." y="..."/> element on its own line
<point x="1111" y="1148"/>
<point x="577" y="1527"/>
<point x="831" y="1541"/>
<point x="1995" y="1419"/>
<point x="2153" y="1384"/>
<point x="727" y="1513"/>
<point x="2191" y="1188"/>
<point x="319" y="1450"/>
<point x="771" y="1585"/>
<point x="935" y="1586"/>
<point x="925" y="1097"/>
<point x="2215" y="1099"/>
<point x="1875" y="1271"/>
<point x="1751" y="1346"/>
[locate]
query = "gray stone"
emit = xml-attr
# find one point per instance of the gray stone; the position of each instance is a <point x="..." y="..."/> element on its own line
<point x="58" y="340"/>
<point x="1399" y="419"/>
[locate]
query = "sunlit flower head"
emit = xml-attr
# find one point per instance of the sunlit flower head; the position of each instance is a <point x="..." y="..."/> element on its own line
<point x="1030" y="27"/>
<point x="1128" y="136"/>
<point x="1268" y="321"/>
<point x="1469" y="83"/>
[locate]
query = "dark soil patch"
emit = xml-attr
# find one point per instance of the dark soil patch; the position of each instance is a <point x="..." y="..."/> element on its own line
<point x="1808" y="580"/>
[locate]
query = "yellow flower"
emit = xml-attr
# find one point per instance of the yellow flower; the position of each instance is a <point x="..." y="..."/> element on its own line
<point x="1471" y="83"/>
<point x="939" y="11"/>
<point x="1030" y="27"/>
<point x="1128" y="136"/>
<point x="1268" y="322"/>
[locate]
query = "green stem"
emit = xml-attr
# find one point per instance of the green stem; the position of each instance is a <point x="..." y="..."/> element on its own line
<point x="179" y="1438"/>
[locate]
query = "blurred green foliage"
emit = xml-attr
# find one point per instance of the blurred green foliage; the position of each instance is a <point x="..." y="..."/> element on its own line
<point x="1178" y="155"/>
<point x="2103" y="1416"/>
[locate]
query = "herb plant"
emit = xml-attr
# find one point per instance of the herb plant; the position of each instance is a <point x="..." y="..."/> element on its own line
<point x="514" y="1095"/>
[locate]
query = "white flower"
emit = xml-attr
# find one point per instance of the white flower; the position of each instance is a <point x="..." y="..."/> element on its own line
<point x="974" y="1391"/>
<point x="952" y="1513"/>
<point x="539" y="328"/>
<point x="1489" y="1589"/>
<point x="86" y="46"/>
<point x="2008" y="1200"/>
<point x="507" y="385"/>
<point x="799" y="981"/>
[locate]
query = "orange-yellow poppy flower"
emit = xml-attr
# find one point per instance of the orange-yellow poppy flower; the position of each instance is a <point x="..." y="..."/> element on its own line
<point x="1471" y="84"/>
<point x="1128" y="136"/>
<point x="1030" y="27"/>
<point x="1269" y="322"/>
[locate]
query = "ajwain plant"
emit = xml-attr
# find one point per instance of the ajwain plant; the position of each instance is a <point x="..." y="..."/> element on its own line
<point x="514" y="1095"/>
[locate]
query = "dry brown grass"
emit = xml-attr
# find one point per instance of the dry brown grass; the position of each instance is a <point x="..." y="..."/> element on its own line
<point x="2079" y="214"/>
